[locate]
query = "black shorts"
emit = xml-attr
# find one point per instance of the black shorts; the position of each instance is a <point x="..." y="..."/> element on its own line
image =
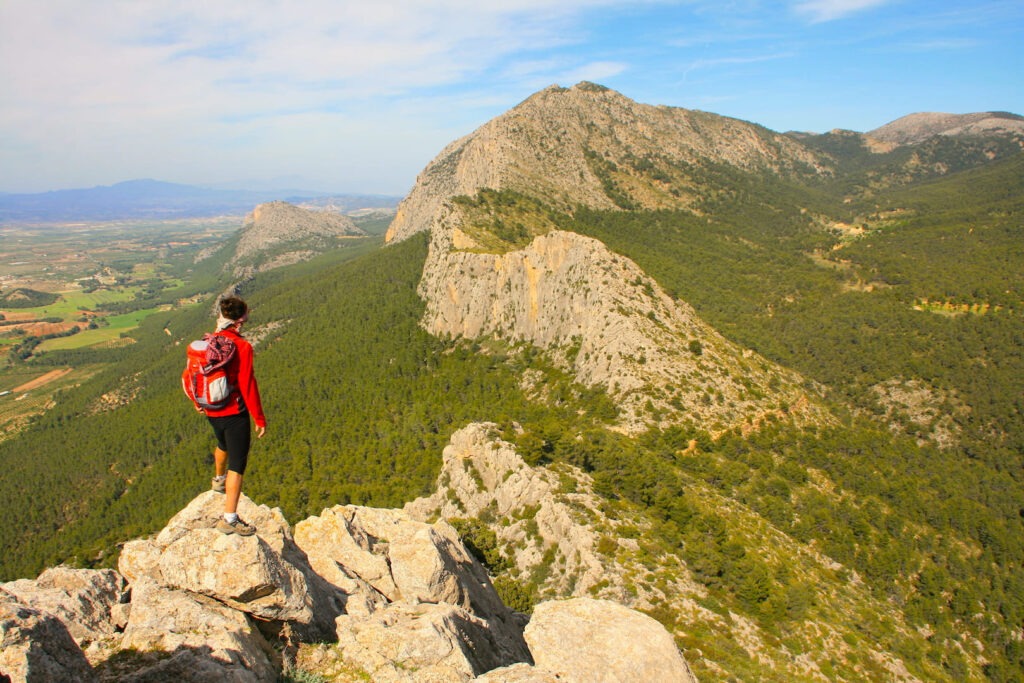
<point x="234" y="435"/>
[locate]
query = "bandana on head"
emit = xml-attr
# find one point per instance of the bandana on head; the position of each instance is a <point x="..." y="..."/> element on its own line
<point x="224" y="323"/>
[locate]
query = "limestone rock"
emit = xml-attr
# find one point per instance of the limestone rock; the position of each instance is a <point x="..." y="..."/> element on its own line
<point x="916" y="128"/>
<point x="612" y="324"/>
<point x="279" y="223"/>
<point x="386" y="557"/>
<point x="204" y="634"/>
<point x="519" y="673"/>
<point x="481" y="473"/>
<point x="263" y="575"/>
<point x="36" y="646"/>
<point x="420" y="643"/>
<point x="91" y="603"/>
<point x="595" y="312"/>
<point x="341" y="552"/>
<point x="622" y="645"/>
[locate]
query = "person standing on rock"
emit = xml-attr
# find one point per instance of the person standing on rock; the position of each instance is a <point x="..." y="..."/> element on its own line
<point x="231" y="424"/>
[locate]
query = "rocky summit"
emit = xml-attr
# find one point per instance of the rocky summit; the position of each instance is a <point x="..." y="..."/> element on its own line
<point x="352" y="594"/>
<point x="278" y="233"/>
<point x="591" y="146"/>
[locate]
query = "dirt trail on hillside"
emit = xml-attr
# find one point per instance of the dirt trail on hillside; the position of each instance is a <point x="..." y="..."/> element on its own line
<point x="51" y="376"/>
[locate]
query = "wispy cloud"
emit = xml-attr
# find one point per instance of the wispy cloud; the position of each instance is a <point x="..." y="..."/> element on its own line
<point x="134" y="70"/>
<point x="939" y="45"/>
<point x="828" y="10"/>
<point x="714" y="62"/>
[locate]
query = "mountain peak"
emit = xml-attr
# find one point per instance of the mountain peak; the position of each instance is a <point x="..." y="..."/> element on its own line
<point x="292" y="233"/>
<point x="592" y="146"/>
<point x="915" y="128"/>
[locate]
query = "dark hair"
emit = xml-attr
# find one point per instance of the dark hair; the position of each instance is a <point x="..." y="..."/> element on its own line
<point x="233" y="308"/>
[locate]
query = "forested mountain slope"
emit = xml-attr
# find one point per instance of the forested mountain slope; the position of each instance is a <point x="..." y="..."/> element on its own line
<point x="881" y="539"/>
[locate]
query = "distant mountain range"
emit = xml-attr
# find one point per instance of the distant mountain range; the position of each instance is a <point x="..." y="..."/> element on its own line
<point x="155" y="199"/>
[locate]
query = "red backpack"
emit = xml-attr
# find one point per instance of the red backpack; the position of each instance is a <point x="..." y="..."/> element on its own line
<point x="204" y="378"/>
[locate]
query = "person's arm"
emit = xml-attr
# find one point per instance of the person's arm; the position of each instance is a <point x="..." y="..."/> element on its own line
<point x="249" y="388"/>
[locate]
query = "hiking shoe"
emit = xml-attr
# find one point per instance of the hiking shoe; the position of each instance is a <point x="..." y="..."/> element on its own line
<point x="217" y="485"/>
<point x="238" y="527"/>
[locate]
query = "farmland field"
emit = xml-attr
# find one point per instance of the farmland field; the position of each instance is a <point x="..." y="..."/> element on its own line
<point x="94" y="285"/>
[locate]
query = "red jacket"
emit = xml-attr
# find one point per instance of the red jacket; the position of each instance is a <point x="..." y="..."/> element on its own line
<point x="240" y="376"/>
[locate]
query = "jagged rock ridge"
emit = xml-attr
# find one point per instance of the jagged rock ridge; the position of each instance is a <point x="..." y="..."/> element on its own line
<point x="549" y="523"/>
<point x="370" y="592"/>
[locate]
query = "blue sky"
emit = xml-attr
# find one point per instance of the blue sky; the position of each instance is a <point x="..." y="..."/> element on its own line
<point x="348" y="96"/>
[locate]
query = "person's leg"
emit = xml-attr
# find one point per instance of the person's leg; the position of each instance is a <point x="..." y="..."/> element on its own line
<point x="232" y="491"/>
<point x="220" y="461"/>
<point x="220" y="456"/>
<point x="238" y="435"/>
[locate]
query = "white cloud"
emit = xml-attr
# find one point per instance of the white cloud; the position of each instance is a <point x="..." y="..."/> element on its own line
<point x="124" y="72"/>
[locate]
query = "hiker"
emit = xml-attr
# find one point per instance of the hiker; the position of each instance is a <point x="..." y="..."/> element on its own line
<point x="231" y="423"/>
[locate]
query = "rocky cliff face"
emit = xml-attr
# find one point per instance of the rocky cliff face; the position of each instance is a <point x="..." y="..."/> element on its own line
<point x="354" y="594"/>
<point x="592" y="146"/>
<point x="609" y="323"/>
<point x="279" y="233"/>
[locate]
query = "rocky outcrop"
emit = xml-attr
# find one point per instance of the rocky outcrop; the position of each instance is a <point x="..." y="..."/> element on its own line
<point x="36" y="646"/>
<point x="611" y="324"/>
<point x="596" y="312"/>
<point x="411" y="642"/>
<point x="622" y="645"/>
<point x="92" y="603"/>
<point x="481" y="474"/>
<point x="264" y="576"/>
<point x="278" y="233"/>
<point x="202" y="633"/>
<point x="546" y="518"/>
<point x="592" y="146"/>
<point x="396" y="570"/>
<point x="357" y="593"/>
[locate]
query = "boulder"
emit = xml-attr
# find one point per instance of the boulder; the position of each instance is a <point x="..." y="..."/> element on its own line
<point x="419" y="643"/>
<point x="36" y="646"/>
<point x="203" y="634"/>
<point x="264" y="575"/>
<point x="602" y="642"/>
<point x="91" y="602"/>
<point x="341" y="553"/>
<point x="405" y="561"/>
